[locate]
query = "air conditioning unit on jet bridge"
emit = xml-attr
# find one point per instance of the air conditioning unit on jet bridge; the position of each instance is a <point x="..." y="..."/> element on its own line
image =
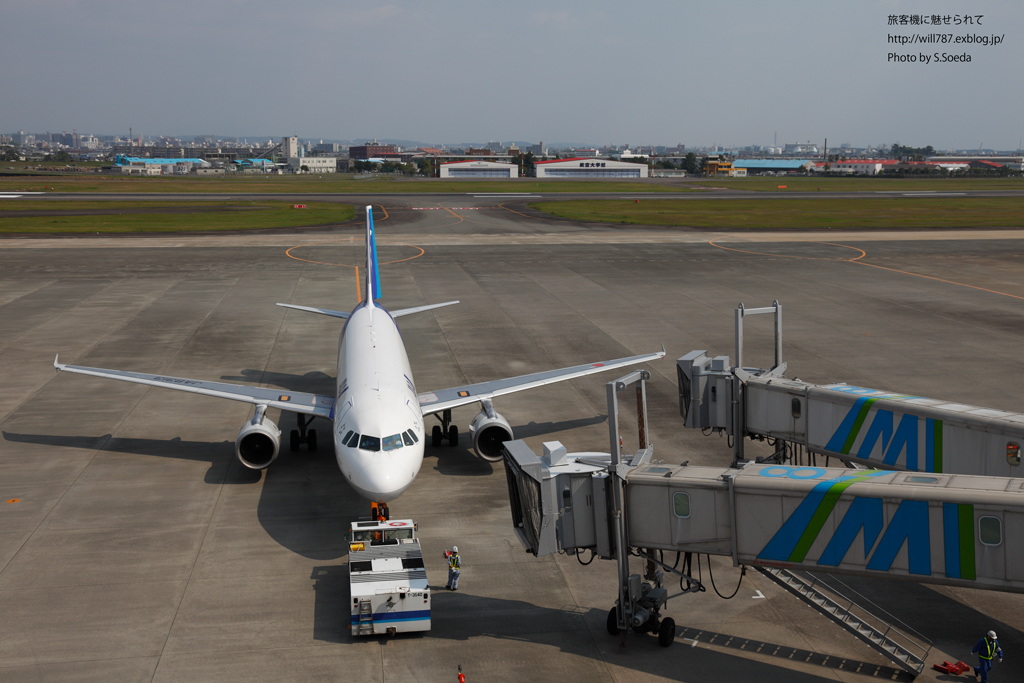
<point x="705" y="391"/>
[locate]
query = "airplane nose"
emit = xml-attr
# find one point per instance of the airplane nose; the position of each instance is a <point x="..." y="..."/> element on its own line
<point x="383" y="477"/>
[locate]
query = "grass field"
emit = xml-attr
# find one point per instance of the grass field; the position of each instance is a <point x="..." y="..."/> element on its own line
<point x="865" y="184"/>
<point x="125" y="217"/>
<point x="328" y="183"/>
<point x="840" y="213"/>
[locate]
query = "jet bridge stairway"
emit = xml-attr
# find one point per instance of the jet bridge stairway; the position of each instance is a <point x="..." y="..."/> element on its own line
<point x="905" y="651"/>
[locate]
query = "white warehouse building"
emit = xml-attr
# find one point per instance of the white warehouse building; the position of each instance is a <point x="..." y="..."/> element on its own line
<point x="579" y="167"/>
<point x="479" y="169"/>
<point x="314" y="164"/>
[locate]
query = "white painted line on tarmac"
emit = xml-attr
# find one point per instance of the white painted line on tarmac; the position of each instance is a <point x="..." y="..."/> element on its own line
<point x="934" y="194"/>
<point x="759" y="596"/>
<point x="9" y="196"/>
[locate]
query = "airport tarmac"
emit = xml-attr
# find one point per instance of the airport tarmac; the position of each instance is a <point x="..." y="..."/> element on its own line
<point x="138" y="549"/>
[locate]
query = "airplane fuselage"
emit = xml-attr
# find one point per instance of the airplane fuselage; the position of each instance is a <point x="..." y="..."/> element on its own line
<point x="378" y="424"/>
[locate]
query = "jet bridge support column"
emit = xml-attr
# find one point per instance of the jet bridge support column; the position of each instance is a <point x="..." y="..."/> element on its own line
<point x="617" y="472"/>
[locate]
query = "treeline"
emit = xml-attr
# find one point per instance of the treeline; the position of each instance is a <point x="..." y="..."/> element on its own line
<point x="911" y="153"/>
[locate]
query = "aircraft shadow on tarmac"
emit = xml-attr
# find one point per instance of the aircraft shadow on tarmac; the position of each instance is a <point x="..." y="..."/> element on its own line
<point x="462" y="616"/>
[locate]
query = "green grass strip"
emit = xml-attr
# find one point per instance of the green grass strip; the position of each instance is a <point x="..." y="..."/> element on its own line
<point x="188" y="217"/>
<point x="893" y="213"/>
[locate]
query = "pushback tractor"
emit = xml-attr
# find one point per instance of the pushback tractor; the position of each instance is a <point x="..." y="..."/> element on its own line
<point x="387" y="579"/>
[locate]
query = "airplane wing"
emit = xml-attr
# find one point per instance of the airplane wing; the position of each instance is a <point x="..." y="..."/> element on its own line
<point x="445" y="399"/>
<point x="293" y="401"/>
<point x="342" y="314"/>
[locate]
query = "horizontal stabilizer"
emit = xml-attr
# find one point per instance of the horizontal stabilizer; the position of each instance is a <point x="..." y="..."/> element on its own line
<point x="419" y="309"/>
<point x="322" y="311"/>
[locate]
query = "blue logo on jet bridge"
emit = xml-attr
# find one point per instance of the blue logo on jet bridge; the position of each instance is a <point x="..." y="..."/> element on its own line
<point x="909" y="526"/>
<point x="892" y="438"/>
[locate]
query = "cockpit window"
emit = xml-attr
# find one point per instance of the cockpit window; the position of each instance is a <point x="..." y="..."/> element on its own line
<point x="369" y="443"/>
<point x="344" y="442"/>
<point x="415" y="439"/>
<point x="392" y="442"/>
<point x="407" y="438"/>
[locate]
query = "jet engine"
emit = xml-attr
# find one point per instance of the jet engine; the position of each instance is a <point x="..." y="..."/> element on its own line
<point x="258" y="442"/>
<point x="489" y="430"/>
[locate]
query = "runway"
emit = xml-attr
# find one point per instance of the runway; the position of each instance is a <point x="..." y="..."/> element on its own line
<point x="140" y="550"/>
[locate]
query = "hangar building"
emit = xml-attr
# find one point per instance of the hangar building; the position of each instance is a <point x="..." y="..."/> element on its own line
<point x="579" y="167"/>
<point x="479" y="169"/>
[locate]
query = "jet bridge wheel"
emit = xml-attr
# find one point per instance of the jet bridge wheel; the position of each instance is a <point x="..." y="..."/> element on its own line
<point x="613" y="623"/>
<point x="436" y="436"/>
<point x="667" y="632"/>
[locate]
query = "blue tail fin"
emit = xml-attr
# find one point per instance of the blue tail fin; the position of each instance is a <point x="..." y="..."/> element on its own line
<point x="372" y="269"/>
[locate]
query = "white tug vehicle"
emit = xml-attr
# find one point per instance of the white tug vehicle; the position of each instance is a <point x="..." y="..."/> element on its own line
<point x="387" y="579"/>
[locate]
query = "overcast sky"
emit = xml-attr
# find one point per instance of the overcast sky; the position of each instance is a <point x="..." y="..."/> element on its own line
<point x="729" y="72"/>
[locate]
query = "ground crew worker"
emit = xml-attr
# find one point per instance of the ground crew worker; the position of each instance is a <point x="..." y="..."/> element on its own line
<point x="987" y="648"/>
<point x="453" y="567"/>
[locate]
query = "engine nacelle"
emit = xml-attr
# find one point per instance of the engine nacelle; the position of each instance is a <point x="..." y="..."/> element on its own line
<point x="489" y="430"/>
<point x="258" y="443"/>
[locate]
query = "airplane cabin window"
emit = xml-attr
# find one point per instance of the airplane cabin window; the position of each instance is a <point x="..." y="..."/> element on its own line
<point x="392" y="442"/>
<point x="369" y="443"/>
<point x="407" y="438"/>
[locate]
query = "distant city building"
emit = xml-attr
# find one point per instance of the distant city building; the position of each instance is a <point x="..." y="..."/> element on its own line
<point x="290" y="147"/>
<point x="327" y="148"/>
<point x="800" y="148"/>
<point x="494" y="146"/>
<point x="371" y="150"/>
<point x="538" y="150"/>
<point x="479" y="151"/>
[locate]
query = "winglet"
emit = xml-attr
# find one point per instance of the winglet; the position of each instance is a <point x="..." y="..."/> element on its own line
<point x="56" y="365"/>
<point x="662" y="348"/>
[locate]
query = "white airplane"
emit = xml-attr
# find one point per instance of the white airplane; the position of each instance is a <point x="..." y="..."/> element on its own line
<point x="377" y="415"/>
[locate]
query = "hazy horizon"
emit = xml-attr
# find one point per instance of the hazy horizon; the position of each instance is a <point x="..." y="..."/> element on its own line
<point x="660" y="72"/>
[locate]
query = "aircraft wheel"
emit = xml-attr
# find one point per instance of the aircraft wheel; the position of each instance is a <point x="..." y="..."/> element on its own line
<point x="667" y="632"/>
<point x="294" y="441"/>
<point x="436" y="436"/>
<point x="311" y="440"/>
<point x="453" y="435"/>
<point x="612" y="624"/>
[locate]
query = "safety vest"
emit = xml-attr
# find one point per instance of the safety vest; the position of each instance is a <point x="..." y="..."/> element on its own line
<point x="453" y="562"/>
<point x="990" y="647"/>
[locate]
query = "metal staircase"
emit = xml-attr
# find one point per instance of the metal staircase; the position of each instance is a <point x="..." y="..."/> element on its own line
<point x="905" y="651"/>
<point x="365" y="618"/>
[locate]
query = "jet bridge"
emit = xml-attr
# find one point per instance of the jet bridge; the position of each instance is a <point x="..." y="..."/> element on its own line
<point x="783" y="520"/>
<point x="866" y="427"/>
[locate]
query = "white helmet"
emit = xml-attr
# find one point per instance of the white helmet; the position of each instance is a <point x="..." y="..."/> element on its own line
<point x="455" y="549"/>
<point x="992" y="635"/>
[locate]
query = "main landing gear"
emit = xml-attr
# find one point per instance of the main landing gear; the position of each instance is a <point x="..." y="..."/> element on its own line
<point x="445" y="430"/>
<point x="302" y="435"/>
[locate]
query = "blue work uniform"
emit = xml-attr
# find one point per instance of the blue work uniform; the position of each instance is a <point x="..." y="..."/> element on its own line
<point x="986" y="649"/>
<point x="453" y="570"/>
